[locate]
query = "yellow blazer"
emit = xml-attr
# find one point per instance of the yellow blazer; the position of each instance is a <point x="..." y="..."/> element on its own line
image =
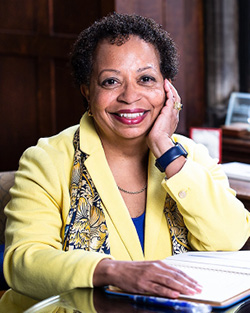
<point x="34" y="262"/>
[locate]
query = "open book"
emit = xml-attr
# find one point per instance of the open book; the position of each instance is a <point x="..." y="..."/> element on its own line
<point x="225" y="276"/>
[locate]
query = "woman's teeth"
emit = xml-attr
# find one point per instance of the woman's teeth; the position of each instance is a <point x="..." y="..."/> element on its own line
<point x="130" y="115"/>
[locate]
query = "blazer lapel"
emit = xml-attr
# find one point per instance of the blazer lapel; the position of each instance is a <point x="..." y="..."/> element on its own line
<point x="104" y="181"/>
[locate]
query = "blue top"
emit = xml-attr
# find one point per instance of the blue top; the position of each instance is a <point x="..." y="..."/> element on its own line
<point x="3" y="284"/>
<point x="139" y="223"/>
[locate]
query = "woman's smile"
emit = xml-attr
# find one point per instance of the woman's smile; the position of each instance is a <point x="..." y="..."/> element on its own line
<point x="130" y="117"/>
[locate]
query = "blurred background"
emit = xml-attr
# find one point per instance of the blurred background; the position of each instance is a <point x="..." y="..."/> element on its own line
<point x="37" y="97"/>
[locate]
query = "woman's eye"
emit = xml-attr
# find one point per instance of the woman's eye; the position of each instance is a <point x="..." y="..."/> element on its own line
<point x="109" y="82"/>
<point x="147" y="79"/>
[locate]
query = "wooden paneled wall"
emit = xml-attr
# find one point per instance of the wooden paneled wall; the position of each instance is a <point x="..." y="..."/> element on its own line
<point x="37" y="97"/>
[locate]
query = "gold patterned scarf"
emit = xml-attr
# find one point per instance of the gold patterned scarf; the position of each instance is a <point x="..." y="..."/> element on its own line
<point x="86" y="226"/>
<point x="177" y="228"/>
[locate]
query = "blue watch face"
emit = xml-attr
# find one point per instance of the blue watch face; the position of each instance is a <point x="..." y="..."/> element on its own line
<point x="169" y="156"/>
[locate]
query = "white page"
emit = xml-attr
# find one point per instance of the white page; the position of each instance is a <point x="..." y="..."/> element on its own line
<point x="219" y="273"/>
<point x="239" y="259"/>
<point x="217" y="286"/>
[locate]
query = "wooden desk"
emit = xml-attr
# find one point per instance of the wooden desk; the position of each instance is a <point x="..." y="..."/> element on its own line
<point x="243" y="191"/>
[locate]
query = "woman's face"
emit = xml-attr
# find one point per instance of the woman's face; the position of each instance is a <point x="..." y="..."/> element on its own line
<point x="126" y="90"/>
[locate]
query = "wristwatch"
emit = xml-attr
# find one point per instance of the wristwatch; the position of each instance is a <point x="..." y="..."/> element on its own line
<point x="169" y="156"/>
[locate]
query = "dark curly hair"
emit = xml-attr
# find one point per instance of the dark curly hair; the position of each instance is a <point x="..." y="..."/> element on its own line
<point x="117" y="28"/>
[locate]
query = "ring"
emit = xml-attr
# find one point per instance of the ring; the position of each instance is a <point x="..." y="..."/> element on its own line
<point x="178" y="106"/>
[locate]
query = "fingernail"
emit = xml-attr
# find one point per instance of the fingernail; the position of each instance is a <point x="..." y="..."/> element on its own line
<point x="192" y="291"/>
<point x="175" y="294"/>
<point x="199" y="288"/>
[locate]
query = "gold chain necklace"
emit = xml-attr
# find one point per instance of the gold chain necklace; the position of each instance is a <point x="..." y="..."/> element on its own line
<point x="132" y="192"/>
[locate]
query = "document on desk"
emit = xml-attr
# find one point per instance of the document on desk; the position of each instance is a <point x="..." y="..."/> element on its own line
<point x="224" y="276"/>
<point x="237" y="170"/>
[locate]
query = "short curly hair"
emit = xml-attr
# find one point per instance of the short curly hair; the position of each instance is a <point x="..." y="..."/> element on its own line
<point x="117" y="28"/>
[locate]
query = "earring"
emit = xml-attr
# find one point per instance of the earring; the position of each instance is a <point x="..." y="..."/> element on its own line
<point x="89" y="113"/>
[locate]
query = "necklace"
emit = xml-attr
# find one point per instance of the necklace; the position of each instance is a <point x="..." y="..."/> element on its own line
<point x="132" y="192"/>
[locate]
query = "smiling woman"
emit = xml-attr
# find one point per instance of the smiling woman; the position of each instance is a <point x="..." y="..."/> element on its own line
<point x="125" y="95"/>
<point x="116" y="194"/>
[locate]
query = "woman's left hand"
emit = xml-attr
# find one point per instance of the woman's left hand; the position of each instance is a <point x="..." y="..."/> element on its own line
<point x="159" y="137"/>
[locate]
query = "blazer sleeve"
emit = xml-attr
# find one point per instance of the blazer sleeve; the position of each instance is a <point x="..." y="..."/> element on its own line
<point x="214" y="217"/>
<point x="34" y="262"/>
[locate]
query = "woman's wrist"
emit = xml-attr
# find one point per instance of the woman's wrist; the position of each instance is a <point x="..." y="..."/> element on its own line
<point x="161" y="146"/>
<point x="169" y="156"/>
<point x="103" y="273"/>
<point x="175" y="166"/>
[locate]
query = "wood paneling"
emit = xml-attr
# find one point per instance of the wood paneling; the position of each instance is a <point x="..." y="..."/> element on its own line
<point x="68" y="100"/>
<point x="153" y="9"/>
<point x="18" y="15"/>
<point x="37" y="97"/>
<point x="75" y="11"/>
<point x="18" y="109"/>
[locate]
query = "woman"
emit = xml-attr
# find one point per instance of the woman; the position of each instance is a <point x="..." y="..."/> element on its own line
<point x="90" y="200"/>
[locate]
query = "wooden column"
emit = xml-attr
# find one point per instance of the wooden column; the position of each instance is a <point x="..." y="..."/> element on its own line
<point x="221" y="42"/>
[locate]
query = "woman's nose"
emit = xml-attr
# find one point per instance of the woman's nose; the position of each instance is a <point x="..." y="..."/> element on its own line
<point x="129" y="94"/>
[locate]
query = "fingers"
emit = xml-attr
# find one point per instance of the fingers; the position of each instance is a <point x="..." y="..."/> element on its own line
<point x="171" y="93"/>
<point x="172" y="107"/>
<point x="173" y="101"/>
<point x="155" y="277"/>
<point x="171" y="282"/>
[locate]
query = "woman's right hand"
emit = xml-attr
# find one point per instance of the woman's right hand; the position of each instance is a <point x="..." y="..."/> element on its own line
<point x="153" y="277"/>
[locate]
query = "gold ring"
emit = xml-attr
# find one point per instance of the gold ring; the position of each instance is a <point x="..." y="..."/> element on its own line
<point x="178" y="106"/>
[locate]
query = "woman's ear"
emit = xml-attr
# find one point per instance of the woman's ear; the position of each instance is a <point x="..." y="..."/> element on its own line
<point x="85" y="91"/>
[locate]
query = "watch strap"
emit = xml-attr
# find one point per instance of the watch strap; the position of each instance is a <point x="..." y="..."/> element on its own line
<point x="169" y="156"/>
